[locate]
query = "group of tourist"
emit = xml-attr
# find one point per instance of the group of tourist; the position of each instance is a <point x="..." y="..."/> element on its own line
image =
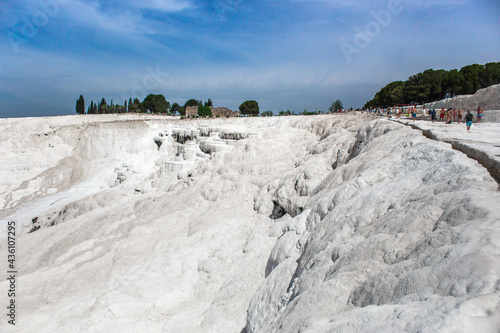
<point x="449" y="116"/>
<point x="452" y="115"/>
<point x="412" y="111"/>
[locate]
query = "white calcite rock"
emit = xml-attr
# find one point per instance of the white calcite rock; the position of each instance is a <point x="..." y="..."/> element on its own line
<point x="345" y="223"/>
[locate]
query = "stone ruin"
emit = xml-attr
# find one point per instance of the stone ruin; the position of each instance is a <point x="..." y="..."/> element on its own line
<point x="192" y="111"/>
<point x="223" y="112"/>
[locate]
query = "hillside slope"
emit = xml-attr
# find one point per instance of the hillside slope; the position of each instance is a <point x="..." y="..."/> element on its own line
<point x="487" y="98"/>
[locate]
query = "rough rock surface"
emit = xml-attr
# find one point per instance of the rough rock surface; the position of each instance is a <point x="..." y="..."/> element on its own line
<point x="344" y="223"/>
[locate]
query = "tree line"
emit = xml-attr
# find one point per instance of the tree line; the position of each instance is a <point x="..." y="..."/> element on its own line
<point x="433" y="85"/>
<point x="152" y="103"/>
<point x="158" y="104"/>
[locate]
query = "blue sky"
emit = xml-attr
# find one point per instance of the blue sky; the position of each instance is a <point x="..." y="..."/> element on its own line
<point x="286" y="54"/>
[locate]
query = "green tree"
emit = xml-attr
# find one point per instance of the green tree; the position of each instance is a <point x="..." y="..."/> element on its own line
<point x="250" y="108"/>
<point x="432" y="85"/>
<point x="204" y="111"/>
<point x="133" y="107"/>
<point x="471" y="75"/>
<point x="436" y="83"/>
<point x="103" y="106"/>
<point x="336" y="106"/>
<point x="410" y="89"/>
<point x="491" y="75"/>
<point x="397" y="95"/>
<point x="191" y="102"/>
<point x="155" y="103"/>
<point x="386" y="95"/>
<point x="209" y="103"/>
<point x="94" y="108"/>
<point x="90" y="110"/>
<point x="175" y="108"/>
<point x="181" y="111"/>
<point x="80" y="105"/>
<point x="454" y="83"/>
<point x="267" y="114"/>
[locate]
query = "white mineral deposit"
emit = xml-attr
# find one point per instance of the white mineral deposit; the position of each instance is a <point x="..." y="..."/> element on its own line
<point x="329" y="223"/>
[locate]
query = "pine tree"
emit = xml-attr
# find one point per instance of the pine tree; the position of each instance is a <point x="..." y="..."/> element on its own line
<point x="125" y="105"/>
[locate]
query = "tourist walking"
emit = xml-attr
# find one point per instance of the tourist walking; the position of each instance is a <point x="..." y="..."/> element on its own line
<point x="468" y="119"/>
<point x="441" y="115"/>
<point x="433" y="115"/>
<point x="460" y="115"/>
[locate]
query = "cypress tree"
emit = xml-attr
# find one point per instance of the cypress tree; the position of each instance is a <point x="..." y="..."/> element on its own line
<point x="103" y="106"/>
<point x="80" y="105"/>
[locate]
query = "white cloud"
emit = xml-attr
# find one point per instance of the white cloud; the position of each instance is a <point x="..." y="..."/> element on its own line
<point x="123" y="17"/>
<point x="92" y="15"/>
<point x="166" y="6"/>
<point x="382" y="3"/>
